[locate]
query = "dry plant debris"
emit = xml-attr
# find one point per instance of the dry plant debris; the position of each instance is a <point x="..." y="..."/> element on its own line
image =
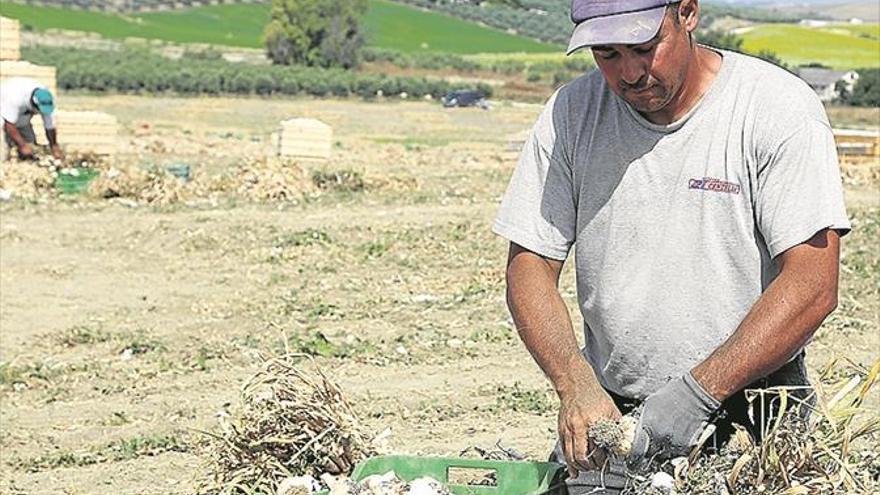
<point x="272" y="179"/>
<point x="835" y="451"/>
<point x="258" y="179"/>
<point x="27" y="181"/>
<point x="35" y="179"/>
<point x="290" y="422"/>
<point x="153" y="186"/>
<point x="263" y="179"/>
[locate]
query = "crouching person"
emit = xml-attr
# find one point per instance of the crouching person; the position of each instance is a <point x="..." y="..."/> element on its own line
<point x="20" y="99"/>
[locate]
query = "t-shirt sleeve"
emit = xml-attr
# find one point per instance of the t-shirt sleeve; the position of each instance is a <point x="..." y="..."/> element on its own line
<point x="48" y="121"/>
<point x="12" y="101"/>
<point x="799" y="188"/>
<point x="538" y="211"/>
<point x="8" y="110"/>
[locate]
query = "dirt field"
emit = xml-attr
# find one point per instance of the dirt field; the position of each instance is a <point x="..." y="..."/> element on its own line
<point x="126" y="328"/>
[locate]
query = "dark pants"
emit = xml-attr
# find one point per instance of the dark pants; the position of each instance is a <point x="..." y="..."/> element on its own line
<point x="756" y="416"/>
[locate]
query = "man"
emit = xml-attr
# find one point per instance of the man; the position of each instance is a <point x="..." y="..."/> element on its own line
<point x="702" y="191"/>
<point x="20" y="99"/>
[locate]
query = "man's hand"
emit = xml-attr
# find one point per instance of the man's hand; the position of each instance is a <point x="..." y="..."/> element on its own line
<point x="544" y="326"/>
<point x="579" y="410"/>
<point x="57" y="153"/>
<point x="672" y="420"/>
<point x="25" y="152"/>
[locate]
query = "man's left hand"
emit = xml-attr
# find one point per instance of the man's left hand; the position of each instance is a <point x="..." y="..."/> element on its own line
<point x="57" y="153"/>
<point x="672" y="420"/>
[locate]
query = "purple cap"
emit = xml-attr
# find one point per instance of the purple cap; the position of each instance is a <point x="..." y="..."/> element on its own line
<point x="611" y="22"/>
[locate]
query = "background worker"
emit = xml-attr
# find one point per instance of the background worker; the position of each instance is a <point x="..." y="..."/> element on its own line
<point x="20" y="99"/>
<point x="701" y="191"/>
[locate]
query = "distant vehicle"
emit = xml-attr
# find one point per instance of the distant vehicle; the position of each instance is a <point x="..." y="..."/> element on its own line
<point x="465" y="98"/>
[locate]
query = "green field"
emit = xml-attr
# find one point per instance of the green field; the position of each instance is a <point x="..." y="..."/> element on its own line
<point x="388" y="25"/>
<point x="402" y="28"/>
<point x="234" y="25"/>
<point x="869" y="31"/>
<point x="840" y="47"/>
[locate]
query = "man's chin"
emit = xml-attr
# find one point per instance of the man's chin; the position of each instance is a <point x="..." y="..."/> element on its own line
<point x="643" y="107"/>
<point x="647" y="106"/>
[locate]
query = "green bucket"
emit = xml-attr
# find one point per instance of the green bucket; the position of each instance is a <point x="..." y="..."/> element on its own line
<point x="511" y="477"/>
<point x="76" y="182"/>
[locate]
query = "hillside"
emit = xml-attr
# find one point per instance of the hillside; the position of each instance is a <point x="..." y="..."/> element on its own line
<point x="387" y="24"/>
<point x="841" y="10"/>
<point x="407" y="28"/>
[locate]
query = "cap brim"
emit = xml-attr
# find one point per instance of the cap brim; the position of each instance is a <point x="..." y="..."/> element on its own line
<point x="45" y="109"/>
<point x="632" y="28"/>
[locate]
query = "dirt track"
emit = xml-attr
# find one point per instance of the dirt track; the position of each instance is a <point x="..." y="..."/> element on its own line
<point x="125" y="328"/>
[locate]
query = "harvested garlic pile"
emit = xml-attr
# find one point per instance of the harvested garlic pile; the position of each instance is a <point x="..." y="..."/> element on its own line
<point x="378" y="484"/>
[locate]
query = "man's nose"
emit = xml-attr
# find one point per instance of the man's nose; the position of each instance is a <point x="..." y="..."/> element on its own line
<point x="633" y="70"/>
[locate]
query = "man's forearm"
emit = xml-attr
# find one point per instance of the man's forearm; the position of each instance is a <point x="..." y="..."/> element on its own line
<point x="543" y="321"/>
<point x="780" y="323"/>
<point x="16" y="136"/>
<point x="52" y="137"/>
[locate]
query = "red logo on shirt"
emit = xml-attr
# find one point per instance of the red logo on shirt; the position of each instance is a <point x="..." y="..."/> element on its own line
<point x="714" y="185"/>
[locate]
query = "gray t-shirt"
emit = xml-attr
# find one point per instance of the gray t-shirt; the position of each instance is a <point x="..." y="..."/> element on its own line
<point x="676" y="226"/>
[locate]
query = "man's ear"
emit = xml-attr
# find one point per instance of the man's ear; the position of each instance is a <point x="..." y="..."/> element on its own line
<point x="689" y="14"/>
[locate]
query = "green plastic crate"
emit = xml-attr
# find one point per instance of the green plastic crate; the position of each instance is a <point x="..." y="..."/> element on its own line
<point x="512" y="477"/>
<point x="75" y="184"/>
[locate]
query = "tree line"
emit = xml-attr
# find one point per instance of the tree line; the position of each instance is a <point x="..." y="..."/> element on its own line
<point x="131" y="70"/>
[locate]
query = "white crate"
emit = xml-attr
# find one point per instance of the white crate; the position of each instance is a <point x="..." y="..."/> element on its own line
<point x="20" y="68"/>
<point x="82" y="131"/>
<point x="305" y="138"/>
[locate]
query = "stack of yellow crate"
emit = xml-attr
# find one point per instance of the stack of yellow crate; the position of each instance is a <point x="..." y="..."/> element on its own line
<point x="11" y="64"/>
<point x="10" y="39"/>
<point x="858" y="143"/>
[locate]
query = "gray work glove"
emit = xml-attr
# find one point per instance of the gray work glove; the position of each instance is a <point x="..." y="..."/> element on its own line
<point x="672" y="420"/>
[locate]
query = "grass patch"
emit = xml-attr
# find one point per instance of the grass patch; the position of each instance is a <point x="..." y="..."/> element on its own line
<point x="12" y="374"/>
<point x="435" y="411"/>
<point x="319" y="310"/>
<point x="499" y="334"/>
<point x="307" y="237"/>
<point x="473" y="290"/>
<point x="317" y="344"/>
<point x="200" y="360"/>
<point x="517" y="398"/>
<point x="82" y="335"/>
<point x="345" y="181"/>
<point x="120" y="450"/>
<point x="413" y="143"/>
<point x="139" y="343"/>
<point x="376" y="248"/>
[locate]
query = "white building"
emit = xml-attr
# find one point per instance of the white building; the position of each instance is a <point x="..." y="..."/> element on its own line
<point x="824" y="81"/>
<point x="814" y="23"/>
